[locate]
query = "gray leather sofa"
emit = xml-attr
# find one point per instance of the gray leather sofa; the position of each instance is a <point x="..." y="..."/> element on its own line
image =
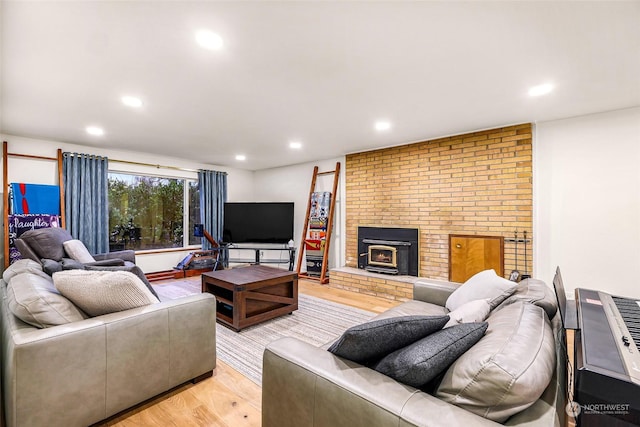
<point x="307" y="386"/>
<point x="79" y="373"/>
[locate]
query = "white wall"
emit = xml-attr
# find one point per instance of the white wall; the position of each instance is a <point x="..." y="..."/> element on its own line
<point x="586" y="196"/>
<point x="240" y="182"/>
<point x="292" y="184"/>
<point x="587" y="201"/>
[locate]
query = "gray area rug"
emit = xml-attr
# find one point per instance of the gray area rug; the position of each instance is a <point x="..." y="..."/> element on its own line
<point x="316" y="322"/>
<point x="175" y="291"/>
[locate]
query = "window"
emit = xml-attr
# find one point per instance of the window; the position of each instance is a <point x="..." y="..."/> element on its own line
<point x="149" y="212"/>
<point x="194" y="211"/>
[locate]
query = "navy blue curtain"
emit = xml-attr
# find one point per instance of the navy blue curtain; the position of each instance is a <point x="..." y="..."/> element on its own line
<point x="213" y="195"/>
<point x="86" y="197"/>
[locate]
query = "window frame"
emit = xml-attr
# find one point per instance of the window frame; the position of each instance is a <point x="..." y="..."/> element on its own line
<point x="185" y="208"/>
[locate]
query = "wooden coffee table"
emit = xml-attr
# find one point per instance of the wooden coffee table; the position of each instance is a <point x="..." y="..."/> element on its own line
<point x="249" y="295"/>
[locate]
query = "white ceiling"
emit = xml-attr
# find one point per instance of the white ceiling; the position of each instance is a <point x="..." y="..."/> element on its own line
<point x="318" y="72"/>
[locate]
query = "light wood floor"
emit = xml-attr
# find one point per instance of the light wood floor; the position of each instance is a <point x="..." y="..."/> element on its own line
<point x="228" y="399"/>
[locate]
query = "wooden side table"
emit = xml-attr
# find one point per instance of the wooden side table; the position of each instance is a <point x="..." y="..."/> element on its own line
<point x="249" y="295"/>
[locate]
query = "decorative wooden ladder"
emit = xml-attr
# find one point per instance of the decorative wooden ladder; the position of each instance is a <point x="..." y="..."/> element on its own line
<point x="5" y="187"/>
<point x="323" y="277"/>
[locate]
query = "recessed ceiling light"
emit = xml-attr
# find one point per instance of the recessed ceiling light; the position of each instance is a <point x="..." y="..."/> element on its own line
<point x="241" y="157"/>
<point x="131" y="101"/>
<point x="94" y="130"/>
<point x="209" y="40"/>
<point x="542" y="89"/>
<point x="382" y="125"/>
<point x="295" y="145"/>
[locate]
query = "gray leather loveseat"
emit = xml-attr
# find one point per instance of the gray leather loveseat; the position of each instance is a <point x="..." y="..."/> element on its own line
<point x="79" y="373"/>
<point x="306" y="386"/>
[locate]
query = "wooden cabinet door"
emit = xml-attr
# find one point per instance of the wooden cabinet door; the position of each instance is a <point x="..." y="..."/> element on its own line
<point x="469" y="255"/>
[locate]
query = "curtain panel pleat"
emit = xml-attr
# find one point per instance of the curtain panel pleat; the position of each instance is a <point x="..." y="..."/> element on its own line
<point x="85" y="180"/>
<point x="213" y="195"/>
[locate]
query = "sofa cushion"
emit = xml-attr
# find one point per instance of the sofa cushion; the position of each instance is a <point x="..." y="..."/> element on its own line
<point x="130" y="268"/>
<point x="483" y="285"/>
<point x="33" y="299"/>
<point x="508" y="369"/>
<point x="472" y="311"/>
<point x="536" y="292"/>
<point x="420" y="362"/>
<point x="102" y="292"/>
<point x="78" y="251"/>
<point x="47" y="242"/>
<point x="375" y="339"/>
<point x="23" y="266"/>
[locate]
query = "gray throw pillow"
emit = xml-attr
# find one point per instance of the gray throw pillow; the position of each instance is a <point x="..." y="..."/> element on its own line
<point x="131" y="269"/>
<point x="375" y="339"/>
<point x="50" y="266"/>
<point x="71" y="264"/>
<point x="422" y="361"/>
<point x="47" y="242"/>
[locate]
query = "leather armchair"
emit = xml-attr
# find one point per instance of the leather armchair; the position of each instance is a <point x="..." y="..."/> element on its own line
<point x="45" y="244"/>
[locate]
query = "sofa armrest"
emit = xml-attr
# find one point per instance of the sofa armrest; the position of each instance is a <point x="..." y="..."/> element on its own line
<point x="127" y="255"/>
<point x="305" y="386"/>
<point x="433" y="291"/>
<point x="107" y="262"/>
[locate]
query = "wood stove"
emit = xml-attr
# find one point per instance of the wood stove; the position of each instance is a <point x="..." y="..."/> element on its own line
<point x="386" y="256"/>
<point x="388" y="250"/>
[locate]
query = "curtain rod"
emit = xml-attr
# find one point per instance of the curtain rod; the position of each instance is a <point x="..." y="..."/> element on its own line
<point x="129" y="162"/>
<point x="157" y="166"/>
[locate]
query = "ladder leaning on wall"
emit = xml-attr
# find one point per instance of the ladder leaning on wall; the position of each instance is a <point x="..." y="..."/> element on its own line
<point x="5" y="189"/>
<point x="313" y="219"/>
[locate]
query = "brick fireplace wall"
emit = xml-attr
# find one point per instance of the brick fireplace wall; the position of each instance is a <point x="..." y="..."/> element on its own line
<point x="478" y="183"/>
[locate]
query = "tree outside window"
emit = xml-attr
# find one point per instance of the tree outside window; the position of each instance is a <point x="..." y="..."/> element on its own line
<point x="148" y="212"/>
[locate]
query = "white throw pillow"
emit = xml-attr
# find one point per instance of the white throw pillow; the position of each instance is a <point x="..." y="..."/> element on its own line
<point x="78" y="251"/>
<point x="470" y="312"/>
<point x="102" y="292"/>
<point x="484" y="285"/>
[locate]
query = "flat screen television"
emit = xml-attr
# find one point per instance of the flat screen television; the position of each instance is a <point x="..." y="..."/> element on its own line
<point x="258" y="222"/>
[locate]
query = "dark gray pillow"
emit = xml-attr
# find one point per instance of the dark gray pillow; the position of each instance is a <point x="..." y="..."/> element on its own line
<point x="71" y="264"/>
<point x="47" y="242"/>
<point x="50" y="266"/>
<point x="130" y="268"/>
<point x="420" y="362"/>
<point x="375" y="339"/>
